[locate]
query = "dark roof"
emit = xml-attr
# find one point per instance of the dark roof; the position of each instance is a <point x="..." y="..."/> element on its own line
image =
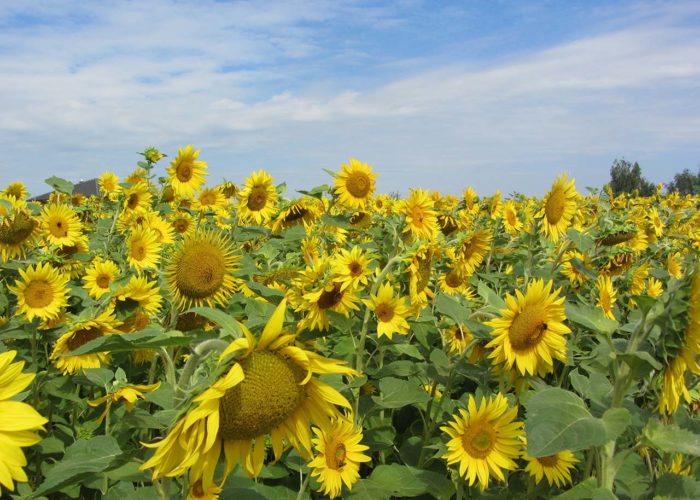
<point x="87" y="188"/>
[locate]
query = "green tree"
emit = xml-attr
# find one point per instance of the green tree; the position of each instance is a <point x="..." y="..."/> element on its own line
<point x="626" y="177"/>
<point x="685" y="183"/>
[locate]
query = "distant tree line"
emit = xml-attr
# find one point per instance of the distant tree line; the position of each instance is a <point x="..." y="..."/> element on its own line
<point x="626" y="177"/>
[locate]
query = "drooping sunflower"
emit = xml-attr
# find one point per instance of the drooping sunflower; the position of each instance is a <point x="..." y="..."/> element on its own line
<point x="351" y="267"/>
<point x="556" y="468"/>
<point x="529" y="334"/>
<point x="257" y="202"/>
<point x="390" y="310"/>
<point x="559" y="208"/>
<point x="339" y="455"/>
<point x="330" y="297"/>
<point x="270" y="390"/>
<point x="81" y="333"/>
<point x="99" y="277"/>
<point x="606" y="295"/>
<point x="484" y="440"/>
<point x="420" y="271"/>
<point x="18" y="421"/>
<point x="674" y="265"/>
<point x="41" y="292"/>
<point x="574" y="269"/>
<point x="18" y="233"/>
<point x="201" y="270"/>
<point x="127" y="393"/>
<point x="355" y="184"/>
<point x="143" y="249"/>
<point x="187" y="172"/>
<point x="60" y="224"/>
<point x="421" y="218"/>
<point x="17" y="190"/>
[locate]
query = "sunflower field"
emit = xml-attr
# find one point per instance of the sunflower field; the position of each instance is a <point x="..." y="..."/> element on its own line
<point x="166" y="339"/>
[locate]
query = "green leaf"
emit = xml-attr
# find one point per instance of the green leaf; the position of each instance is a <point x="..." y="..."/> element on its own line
<point x="671" y="438"/>
<point x="590" y="317"/>
<point x="229" y="326"/>
<point x="60" y="185"/>
<point x="296" y="233"/>
<point x="83" y="459"/>
<point x="641" y="363"/>
<point x="677" y="486"/>
<point x="587" y="490"/>
<point x="99" y="376"/>
<point x="559" y="420"/>
<point x="397" y="393"/>
<point x="616" y="421"/>
<point x="148" y="338"/>
<point x="450" y="307"/>
<point x="404" y="481"/>
<point x="489" y="296"/>
<point x="270" y="294"/>
<point x="584" y="243"/>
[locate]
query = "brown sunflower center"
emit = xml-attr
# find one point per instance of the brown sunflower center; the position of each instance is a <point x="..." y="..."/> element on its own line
<point x="453" y="279"/>
<point x="554" y="208"/>
<point x="384" y="312"/>
<point x="295" y="213"/>
<point x="358" y="184"/>
<point x="200" y="270"/>
<point x="330" y="298"/>
<point x="257" y="198"/>
<point x="83" y="336"/>
<point x="138" y="250"/>
<point x="527" y="329"/>
<point x="617" y="238"/>
<point x="355" y="269"/>
<point x="184" y="171"/>
<point x="548" y="461"/>
<point x="133" y="201"/>
<point x="181" y="225"/>
<point x="459" y="333"/>
<point x="102" y="280"/>
<point x="267" y="396"/>
<point x="38" y="293"/>
<point x="18" y="230"/>
<point x="208" y="198"/>
<point x="510" y="217"/>
<point x="58" y="228"/>
<point x="198" y="489"/>
<point x="479" y="439"/>
<point x="335" y="455"/>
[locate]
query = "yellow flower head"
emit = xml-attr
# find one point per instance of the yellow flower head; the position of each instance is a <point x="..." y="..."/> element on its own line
<point x="99" y="277"/>
<point x="186" y="172"/>
<point x="60" y="224"/>
<point x="421" y="218"/>
<point x="559" y="208"/>
<point x="258" y="199"/>
<point x="390" y="310"/>
<point x="41" y="292"/>
<point x="355" y="184"/>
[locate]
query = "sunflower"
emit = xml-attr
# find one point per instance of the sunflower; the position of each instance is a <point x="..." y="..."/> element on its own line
<point x="421" y="219"/>
<point x="186" y="172"/>
<point x="164" y="232"/>
<point x="331" y="297"/>
<point x="138" y="294"/>
<point x="511" y="222"/>
<point x="137" y="197"/>
<point x="201" y="270"/>
<point x="530" y="333"/>
<point x="673" y="387"/>
<point x="60" y="225"/>
<point x="574" y="270"/>
<point x="654" y="287"/>
<point x="420" y="272"/>
<point x="143" y="249"/>
<point x="559" y="208"/>
<point x="674" y="265"/>
<point x="81" y="333"/>
<point x="454" y="282"/>
<point x="17" y="421"/>
<point x="470" y="252"/>
<point x="339" y="454"/>
<point x="556" y="468"/>
<point x="458" y="338"/>
<point x="109" y="185"/>
<point x="484" y="440"/>
<point x="182" y="223"/>
<point x="351" y="267"/>
<point x="99" y="277"/>
<point x="391" y="311"/>
<point x="210" y="199"/>
<point x="17" y="190"/>
<point x="354" y="184"/>
<point x="41" y="292"/>
<point x="270" y="390"/>
<point x="257" y="202"/>
<point x="606" y="295"/>
<point x="127" y="393"/>
<point x="18" y="233"/>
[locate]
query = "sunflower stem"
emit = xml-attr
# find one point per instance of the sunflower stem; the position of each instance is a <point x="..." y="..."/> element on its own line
<point x="169" y="366"/>
<point x="199" y="352"/>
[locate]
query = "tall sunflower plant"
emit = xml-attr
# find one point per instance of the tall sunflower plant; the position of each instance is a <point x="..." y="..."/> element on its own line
<point x="173" y="338"/>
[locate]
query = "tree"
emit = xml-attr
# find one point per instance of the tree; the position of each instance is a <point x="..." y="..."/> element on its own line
<point x="685" y="183"/>
<point x="627" y="178"/>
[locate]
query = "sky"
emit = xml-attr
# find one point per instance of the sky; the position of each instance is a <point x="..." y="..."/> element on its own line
<point x="432" y="94"/>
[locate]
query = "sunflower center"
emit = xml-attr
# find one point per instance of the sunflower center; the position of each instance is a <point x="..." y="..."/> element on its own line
<point x="355" y="269"/>
<point x="330" y="298"/>
<point x="18" y="230"/>
<point x="479" y="439"/>
<point x="554" y="208"/>
<point x="184" y="171"/>
<point x="208" y="198"/>
<point x="548" y="461"/>
<point x="469" y="247"/>
<point x="417" y="216"/>
<point x="257" y="198"/>
<point x="181" y="225"/>
<point x="453" y="279"/>
<point x="38" y="293"/>
<point x="510" y="217"/>
<point x="267" y="396"/>
<point x="459" y="334"/>
<point x="102" y="281"/>
<point x="133" y="201"/>
<point x="295" y="214"/>
<point x="384" y="312"/>
<point x="58" y="229"/>
<point x="138" y="250"/>
<point x="335" y="458"/>
<point x="83" y="336"/>
<point x="527" y="329"/>
<point x="358" y="218"/>
<point x="198" y="489"/>
<point x="200" y="270"/>
<point x="358" y="184"/>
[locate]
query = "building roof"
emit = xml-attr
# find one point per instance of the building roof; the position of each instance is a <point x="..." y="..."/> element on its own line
<point x="86" y="188"/>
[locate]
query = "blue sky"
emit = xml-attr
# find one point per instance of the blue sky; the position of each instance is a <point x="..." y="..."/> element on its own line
<point x="440" y="95"/>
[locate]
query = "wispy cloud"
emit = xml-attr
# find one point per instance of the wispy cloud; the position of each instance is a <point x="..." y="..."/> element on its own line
<point x="295" y="86"/>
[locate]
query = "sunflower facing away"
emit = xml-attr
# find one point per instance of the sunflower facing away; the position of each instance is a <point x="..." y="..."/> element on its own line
<point x="559" y="208"/>
<point x="391" y="311"/>
<point x="187" y="172"/>
<point x="355" y="184"/>
<point x="339" y="456"/>
<point x="99" y="277"/>
<point x="529" y="334"/>
<point x="606" y="295"/>
<point x="270" y="392"/>
<point x="60" y="225"/>
<point x="484" y="440"/>
<point x="556" y="468"/>
<point x="258" y="199"/>
<point x="17" y="421"/>
<point x="201" y="270"/>
<point x="41" y="292"/>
